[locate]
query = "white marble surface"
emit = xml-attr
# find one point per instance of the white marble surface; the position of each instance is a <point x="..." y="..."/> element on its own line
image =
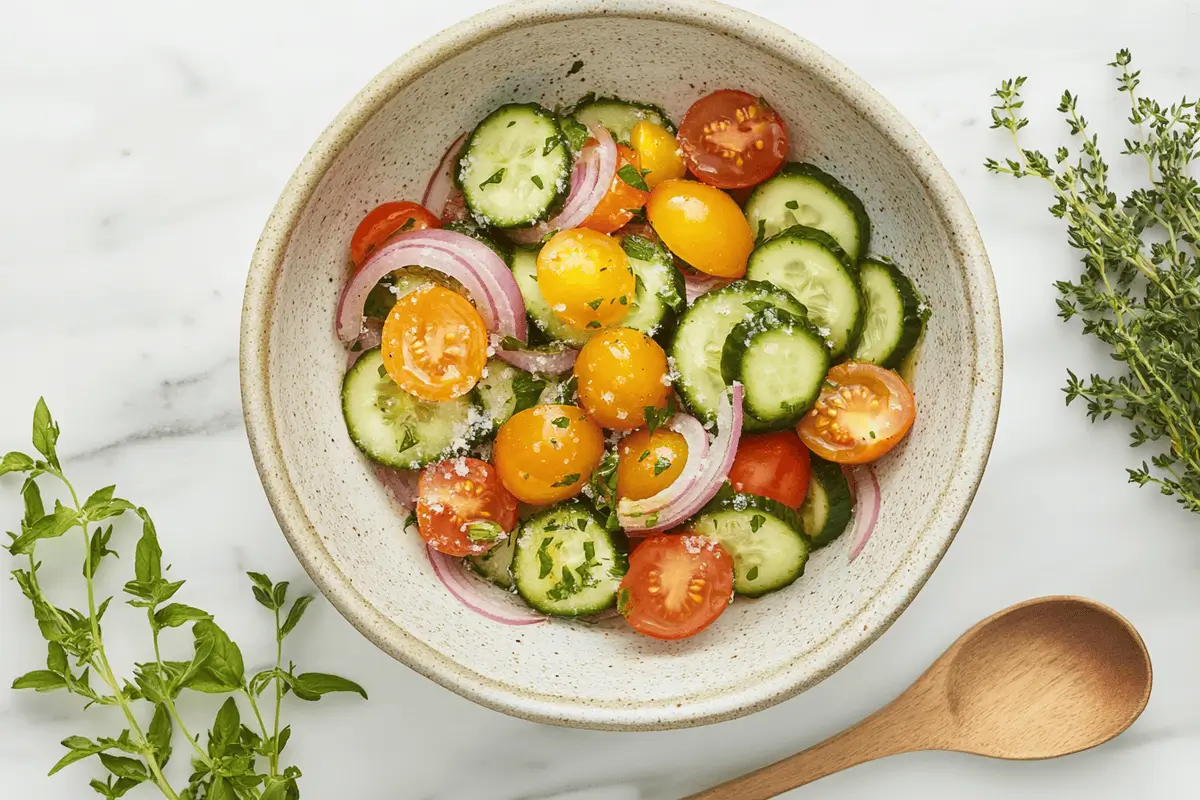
<point x="143" y="144"/>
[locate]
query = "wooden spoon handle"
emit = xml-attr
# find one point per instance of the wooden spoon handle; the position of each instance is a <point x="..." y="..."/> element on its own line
<point x="889" y="731"/>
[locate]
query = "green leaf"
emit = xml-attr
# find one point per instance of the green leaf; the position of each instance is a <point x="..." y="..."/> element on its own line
<point x="575" y="132"/>
<point x="176" y="614"/>
<point x="222" y="670"/>
<point x="15" y="462"/>
<point x="124" y="767"/>
<point x="320" y="683"/>
<point x="71" y="757"/>
<point x="56" y="659"/>
<point x="158" y="735"/>
<point x="147" y="564"/>
<point x="279" y="594"/>
<point x="31" y="494"/>
<point x="630" y="175"/>
<point x="526" y="389"/>
<point x="567" y="480"/>
<point x="42" y="680"/>
<point x="49" y="526"/>
<point x="97" y="550"/>
<point x="297" y="611"/>
<point x="45" y="433"/>
<point x="642" y="249"/>
<point x="496" y="177"/>
<point x="225" y="727"/>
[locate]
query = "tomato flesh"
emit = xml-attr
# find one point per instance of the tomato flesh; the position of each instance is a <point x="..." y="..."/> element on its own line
<point x="585" y="278"/>
<point x="774" y="465"/>
<point x="863" y="412"/>
<point x="649" y="462"/>
<point x="676" y="586"/>
<point x="703" y="226"/>
<point x="385" y="221"/>
<point x="434" y="344"/>
<point x="732" y="139"/>
<point x="620" y="374"/>
<point x="547" y="453"/>
<point x="462" y="507"/>
<point x="622" y="199"/>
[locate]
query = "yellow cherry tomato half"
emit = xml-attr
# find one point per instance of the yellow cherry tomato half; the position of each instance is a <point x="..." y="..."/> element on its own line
<point x="620" y="373"/>
<point x="547" y="453"/>
<point x="658" y="153"/>
<point x="434" y="344"/>
<point x="585" y="278"/>
<point x="649" y="462"/>
<point x="703" y="226"/>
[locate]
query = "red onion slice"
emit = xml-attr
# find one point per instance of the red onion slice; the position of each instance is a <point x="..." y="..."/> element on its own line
<point x="633" y="513"/>
<point x="475" y="595"/>
<point x="697" y="283"/>
<point x="715" y="468"/>
<point x="401" y="484"/>
<point x="482" y="273"/>
<point x="591" y="176"/>
<point x="441" y="184"/>
<point x="544" y="362"/>
<point x="865" y="484"/>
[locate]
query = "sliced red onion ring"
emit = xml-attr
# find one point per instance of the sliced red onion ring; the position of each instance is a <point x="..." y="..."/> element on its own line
<point x="865" y="484"/>
<point x="476" y="266"/>
<point x="633" y="513"/>
<point x="697" y="283"/>
<point x="591" y="177"/>
<point x="441" y="184"/>
<point x="472" y="593"/>
<point x="714" y="467"/>
<point x="401" y="483"/>
<point x="544" y="362"/>
<point x="369" y="337"/>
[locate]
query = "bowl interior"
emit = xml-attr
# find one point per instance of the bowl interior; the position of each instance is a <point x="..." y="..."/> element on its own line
<point x="348" y="532"/>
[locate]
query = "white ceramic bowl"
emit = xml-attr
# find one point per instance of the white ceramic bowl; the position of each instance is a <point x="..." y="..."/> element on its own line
<point x="347" y="532"/>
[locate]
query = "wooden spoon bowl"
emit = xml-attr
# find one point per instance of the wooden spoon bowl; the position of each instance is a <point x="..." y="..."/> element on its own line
<point x="1042" y="679"/>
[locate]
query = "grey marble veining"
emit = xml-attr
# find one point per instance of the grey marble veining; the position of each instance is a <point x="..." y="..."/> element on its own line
<point x="143" y="145"/>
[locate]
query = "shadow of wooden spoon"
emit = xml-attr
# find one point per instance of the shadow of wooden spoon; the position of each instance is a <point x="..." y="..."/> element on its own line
<point x="1042" y="679"/>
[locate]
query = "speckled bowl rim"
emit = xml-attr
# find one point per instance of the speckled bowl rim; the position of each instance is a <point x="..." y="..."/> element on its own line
<point x="788" y="679"/>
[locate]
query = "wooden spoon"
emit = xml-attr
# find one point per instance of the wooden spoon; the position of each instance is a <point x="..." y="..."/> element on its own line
<point x="1045" y="678"/>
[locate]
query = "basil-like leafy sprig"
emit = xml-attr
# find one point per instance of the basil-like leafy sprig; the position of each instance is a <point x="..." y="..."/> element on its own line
<point x="237" y="761"/>
<point x="1139" y="291"/>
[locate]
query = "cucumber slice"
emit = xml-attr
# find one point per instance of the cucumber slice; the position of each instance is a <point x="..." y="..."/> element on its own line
<point x="660" y="288"/>
<point x="894" y="315"/>
<point x="469" y="227"/>
<point x="566" y="564"/>
<point x="496" y="564"/>
<point x="515" y="166"/>
<point x="505" y="390"/>
<point x="809" y="264"/>
<point x="700" y="339"/>
<point x="802" y="194"/>
<point x="764" y="537"/>
<point x="619" y="116"/>
<point x="781" y="361"/>
<point x="660" y="293"/>
<point x="827" y="506"/>
<point x="393" y="286"/>
<point x="394" y="428"/>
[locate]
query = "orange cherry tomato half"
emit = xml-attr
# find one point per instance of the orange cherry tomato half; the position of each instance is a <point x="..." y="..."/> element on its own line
<point x="620" y="373"/>
<point x="649" y="462"/>
<point x="434" y="344"/>
<point x="462" y="507"/>
<point x="863" y="412"/>
<point x="384" y="222"/>
<point x="732" y="139"/>
<point x="703" y="226"/>
<point x="676" y="586"/>
<point x="774" y="465"/>
<point x="617" y="206"/>
<point x="547" y="453"/>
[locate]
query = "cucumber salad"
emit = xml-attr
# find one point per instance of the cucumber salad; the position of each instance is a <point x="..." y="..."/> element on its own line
<point x="613" y="364"/>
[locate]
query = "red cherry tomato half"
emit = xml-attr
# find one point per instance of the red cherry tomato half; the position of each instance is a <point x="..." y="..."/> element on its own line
<point x="462" y="507"/>
<point x="384" y="222"/>
<point x="676" y="586"/>
<point x="732" y="139"/>
<point x="774" y="465"/>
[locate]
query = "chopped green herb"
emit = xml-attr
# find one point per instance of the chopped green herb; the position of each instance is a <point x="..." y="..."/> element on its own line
<point x="561" y="422"/>
<point x="872" y="434"/>
<point x="581" y="523"/>
<point x="631" y="176"/>
<point x="759" y="305"/>
<point x="527" y="390"/>
<point x="624" y="602"/>
<point x="757" y="521"/>
<point x="497" y="176"/>
<point x="383" y="371"/>
<point x="575" y="132"/>
<point x="545" y="562"/>
<point x="792" y="204"/>
<point x="512" y="343"/>
<point x="661" y="465"/>
<point x="568" y="579"/>
<point x="567" y="480"/>
<point x="537" y="181"/>
<point x="762" y="232"/>
<point x="643" y="456"/>
<point x="410" y="520"/>
<point x="593" y="324"/>
<point x="589" y="551"/>
<point x="407" y="441"/>
<point x="639" y="285"/>
<point x="652" y="520"/>
<point x="752" y="574"/>
<point x="356" y="347"/>
<point x="656" y="417"/>
<point x="624" y="300"/>
<point x="594" y="304"/>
